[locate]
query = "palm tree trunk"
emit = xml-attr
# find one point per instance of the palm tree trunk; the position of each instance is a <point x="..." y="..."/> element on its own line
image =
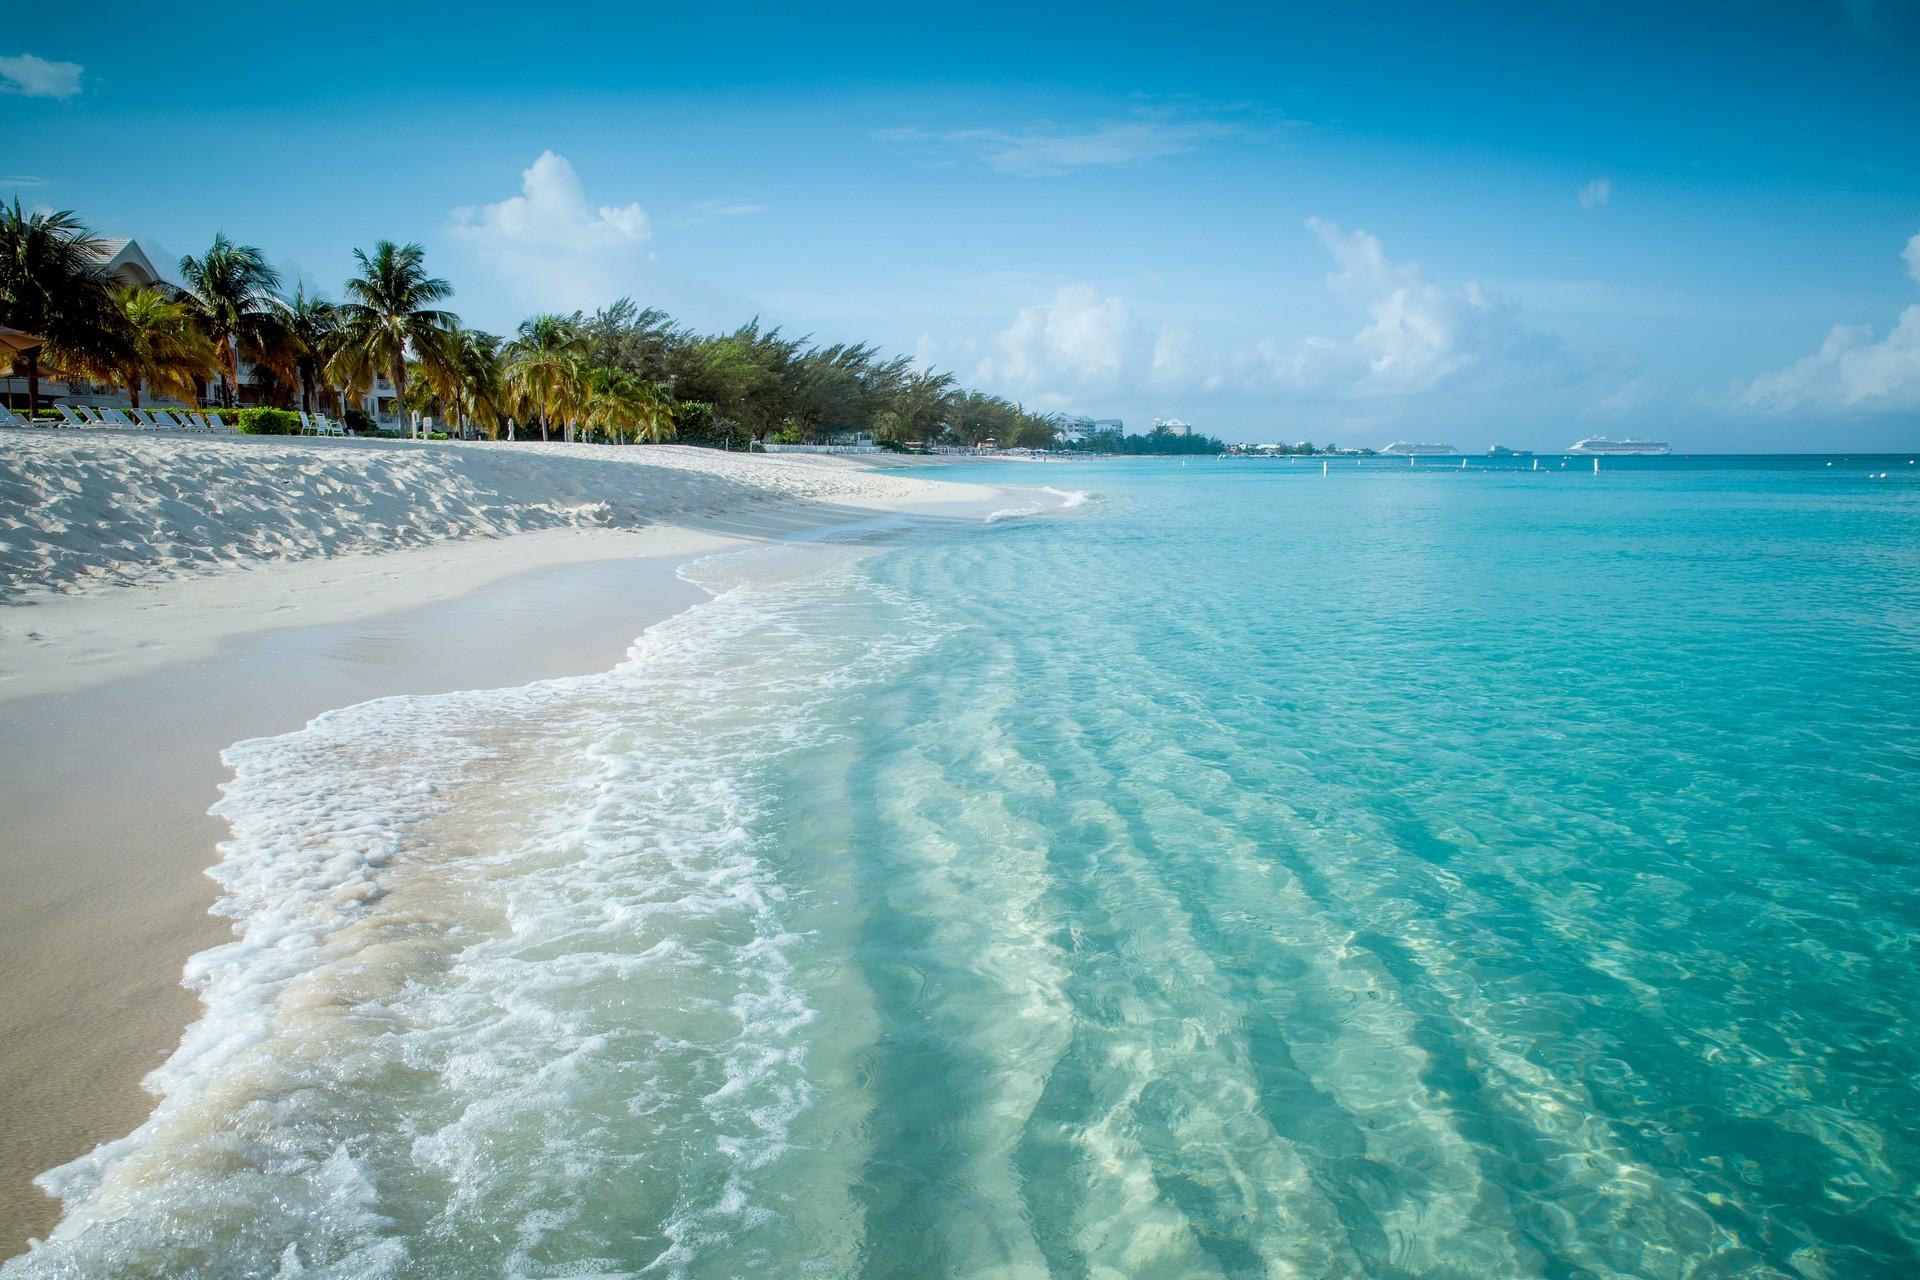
<point x="399" y="388"/>
<point x="33" y="381"/>
<point x="233" y="370"/>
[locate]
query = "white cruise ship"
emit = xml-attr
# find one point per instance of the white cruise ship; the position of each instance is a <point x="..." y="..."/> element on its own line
<point x="1407" y="448"/>
<point x="1600" y="444"/>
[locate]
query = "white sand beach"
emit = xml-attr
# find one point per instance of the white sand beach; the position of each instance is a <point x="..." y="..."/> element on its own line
<point x="165" y="597"/>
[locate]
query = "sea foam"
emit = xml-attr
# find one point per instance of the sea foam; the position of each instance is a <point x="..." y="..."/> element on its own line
<point x="509" y="966"/>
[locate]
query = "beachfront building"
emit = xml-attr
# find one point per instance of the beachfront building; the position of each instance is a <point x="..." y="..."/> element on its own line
<point x="1078" y="429"/>
<point x="1172" y="427"/>
<point x="125" y="262"/>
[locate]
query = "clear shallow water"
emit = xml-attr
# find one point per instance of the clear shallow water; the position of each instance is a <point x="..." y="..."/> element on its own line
<point x="1243" y="873"/>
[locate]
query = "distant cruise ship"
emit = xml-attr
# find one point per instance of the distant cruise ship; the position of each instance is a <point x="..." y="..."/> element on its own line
<point x="1501" y="451"/>
<point x="1406" y="448"/>
<point x="1600" y="444"/>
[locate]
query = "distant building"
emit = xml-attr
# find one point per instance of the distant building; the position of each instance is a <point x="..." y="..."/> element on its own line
<point x="1173" y="426"/>
<point x="1078" y="429"/>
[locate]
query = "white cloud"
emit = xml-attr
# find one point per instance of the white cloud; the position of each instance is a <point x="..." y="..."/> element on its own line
<point x="1851" y="372"/>
<point x="32" y="77"/>
<point x="1628" y="398"/>
<point x="1417" y="338"/>
<point x="713" y="210"/>
<point x="1046" y="149"/>
<point x="1082" y="342"/>
<point x="1596" y="193"/>
<point x="557" y="248"/>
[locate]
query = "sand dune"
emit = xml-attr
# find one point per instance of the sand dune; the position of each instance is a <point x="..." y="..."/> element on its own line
<point x="81" y="510"/>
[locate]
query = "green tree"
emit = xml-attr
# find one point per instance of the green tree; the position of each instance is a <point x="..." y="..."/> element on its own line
<point x="312" y="328"/>
<point x="161" y="345"/>
<point x="230" y="290"/>
<point x="546" y="369"/>
<point x="51" y="288"/>
<point x="619" y="402"/>
<point x="918" y="409"/>
<point x="480" y="394"/>
<point x="624" y="336"/>
<point x="389" y="314"/>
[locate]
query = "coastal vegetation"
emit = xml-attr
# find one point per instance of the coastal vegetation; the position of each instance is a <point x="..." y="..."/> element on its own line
<point x="623" y="373"/>
<point x="1159" y="442"/>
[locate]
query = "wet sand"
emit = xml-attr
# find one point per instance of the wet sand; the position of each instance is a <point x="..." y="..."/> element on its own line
<point x="108" y="766"/>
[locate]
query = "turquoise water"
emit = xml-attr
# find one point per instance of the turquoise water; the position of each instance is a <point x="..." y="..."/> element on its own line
<point x="1397" y="873"/>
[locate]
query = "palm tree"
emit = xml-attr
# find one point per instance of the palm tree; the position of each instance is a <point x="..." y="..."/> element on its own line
<point x="162" y="346"/>
<point x="481" y="394"/>
<point x="311" y="326"/>
<point x="51" y="287"/>
<point x="231" y="291"/>
<point x="546" y="366"/>
<point x="654" y="420"/>
<point x="612" y="402"/>
<point x="391" y="311"/>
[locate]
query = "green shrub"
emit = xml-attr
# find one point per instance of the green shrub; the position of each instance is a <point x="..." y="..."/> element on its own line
<point x="360" y="422"/>
<point x="268" y="422"/>
<point x="436" y="435"/>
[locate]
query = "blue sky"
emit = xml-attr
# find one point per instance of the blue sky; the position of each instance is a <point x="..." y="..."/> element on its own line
<point x="1357" y="222"/>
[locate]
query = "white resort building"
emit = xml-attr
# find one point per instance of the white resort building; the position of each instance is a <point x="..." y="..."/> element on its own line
<point x="124" y="262"/>
<point x="1077" y="429"/>
<point x="1172" y="426"/>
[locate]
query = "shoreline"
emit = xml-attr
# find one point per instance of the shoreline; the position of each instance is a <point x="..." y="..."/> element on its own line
<point x="111" y="762"/>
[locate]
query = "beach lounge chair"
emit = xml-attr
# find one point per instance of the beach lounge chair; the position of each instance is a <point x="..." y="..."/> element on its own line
<point x="8" y="418"/>
<point x="115" y="418"/>
<point x="68" y="416"/>
<point x="214" y="423"/>
<point x="183" y="420"/>
<point x="153" y="419"/>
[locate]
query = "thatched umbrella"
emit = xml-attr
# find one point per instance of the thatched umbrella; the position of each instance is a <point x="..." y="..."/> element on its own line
<point x="15" y="342"/>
